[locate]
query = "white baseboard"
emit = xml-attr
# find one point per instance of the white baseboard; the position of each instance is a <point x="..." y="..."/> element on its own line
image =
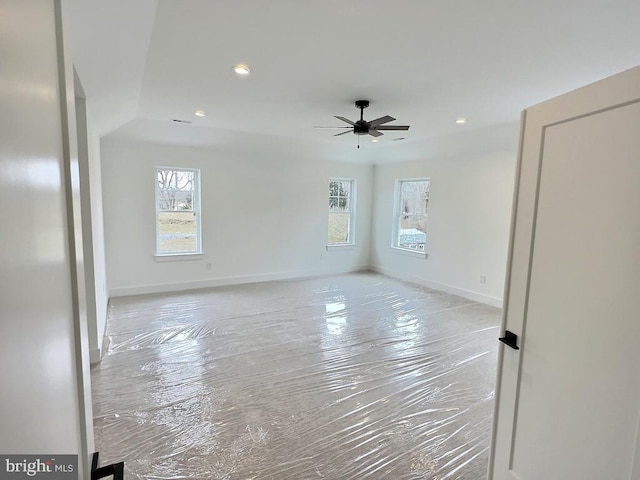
<point x="265" y="277"/>
<point x="223" y="281"/>
<point x="461" y="292"/>
<point x="95" y="355"/>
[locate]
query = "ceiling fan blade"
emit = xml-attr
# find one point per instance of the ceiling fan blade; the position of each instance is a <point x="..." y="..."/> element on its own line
<point x="333" y="127"/>
<point x="393" y="127"/>
<point x="343" y="133"/>
<point x="344" y="120"/>
<point x="375" y="133"/>
<point x="380" y="121"/>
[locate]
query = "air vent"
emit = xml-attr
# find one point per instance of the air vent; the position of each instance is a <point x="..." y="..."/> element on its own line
<point x="177" y="120"/>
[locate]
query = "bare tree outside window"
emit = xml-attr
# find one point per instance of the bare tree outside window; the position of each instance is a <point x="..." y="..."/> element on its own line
<point x="175" y="189"/>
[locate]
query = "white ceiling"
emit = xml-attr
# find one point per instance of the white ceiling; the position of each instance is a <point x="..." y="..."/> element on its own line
<point x="425" y="62"/>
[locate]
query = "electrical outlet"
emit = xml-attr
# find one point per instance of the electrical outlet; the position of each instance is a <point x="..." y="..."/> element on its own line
<point x="483" y="279"/>
<point x="208" y="265"/>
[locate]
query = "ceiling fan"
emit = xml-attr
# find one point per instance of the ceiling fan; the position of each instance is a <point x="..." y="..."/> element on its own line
<point x="363" y="127"/>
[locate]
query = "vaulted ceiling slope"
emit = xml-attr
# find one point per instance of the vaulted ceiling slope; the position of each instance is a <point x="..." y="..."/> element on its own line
<point x="110" y="42"/>
<point x="425" y="63"/>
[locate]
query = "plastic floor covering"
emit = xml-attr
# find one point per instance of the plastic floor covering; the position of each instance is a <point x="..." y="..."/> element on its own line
<point x="350" y="377"/>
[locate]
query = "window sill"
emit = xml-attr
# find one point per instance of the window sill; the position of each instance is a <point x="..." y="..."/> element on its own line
<point x="341" y="246"/>
<point x="411" y="253"/>
<point x="177" y="257"/>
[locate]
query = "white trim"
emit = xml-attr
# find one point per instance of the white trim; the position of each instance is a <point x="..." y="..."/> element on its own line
<point x="178" y="257"/>
<point x="95" y="355"/>
<point x="223" y="281"/>
<point x="507" y="282"/>
<point x="461" y="292"/>
<point x="410" y="252"/>
<point x="340" y="246"/>
<point x="265" y="277"/>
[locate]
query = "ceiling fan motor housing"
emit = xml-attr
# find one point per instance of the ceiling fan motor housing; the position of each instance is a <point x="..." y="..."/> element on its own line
<point x="361" y="127"/>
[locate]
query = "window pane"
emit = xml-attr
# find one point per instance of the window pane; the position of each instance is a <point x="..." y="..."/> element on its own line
<point x="412" y="231"/>
<point x="177" y="232"/>
<point x="414" y="197"/>
<point x="341" y="207"/>
<point x="339" y="227"/>
<point x="175" y="189"/>
<point x="338" y="204"/>
<point x="411" y="228"/>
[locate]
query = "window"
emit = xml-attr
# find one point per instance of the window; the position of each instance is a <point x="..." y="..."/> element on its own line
<point x="410" y="218"/>
<point x="177" y="211"/>
<point x="341" y="209"/>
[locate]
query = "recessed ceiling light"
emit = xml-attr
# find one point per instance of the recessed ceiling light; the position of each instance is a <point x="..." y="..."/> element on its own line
<point x="200" y="113"/>
<point x="461" y="120"/>
<point x="374" y="140"/>
<point x="241" y="69"/>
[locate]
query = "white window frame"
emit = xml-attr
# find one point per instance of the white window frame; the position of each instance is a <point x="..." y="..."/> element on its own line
<point x="197" y="210"/>
<point x="351" y="241"/>
<point x="398" y="211"/>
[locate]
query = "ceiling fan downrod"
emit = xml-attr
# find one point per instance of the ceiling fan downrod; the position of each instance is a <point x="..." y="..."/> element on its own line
<point x="362" y="104"/>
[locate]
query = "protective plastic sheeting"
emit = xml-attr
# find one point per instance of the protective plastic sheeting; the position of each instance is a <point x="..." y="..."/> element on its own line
<point x="350" y="377"/>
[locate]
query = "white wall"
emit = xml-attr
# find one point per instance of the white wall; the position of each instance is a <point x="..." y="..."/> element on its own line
<point x="468" y="225"/>
<point x="264" y="216"/>
<point x="92" y="224"/>
<point x="44" y="388"/>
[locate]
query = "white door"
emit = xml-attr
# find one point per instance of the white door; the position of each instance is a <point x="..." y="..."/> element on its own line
<point x="568" y="401"/>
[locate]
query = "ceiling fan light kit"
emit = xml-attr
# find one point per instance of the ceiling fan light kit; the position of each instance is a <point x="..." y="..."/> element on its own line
<point x="363" y="127"/>
<point x="242" y="69"/>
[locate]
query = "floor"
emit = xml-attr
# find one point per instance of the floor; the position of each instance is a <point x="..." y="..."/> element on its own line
<point x="357" y="376"/>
